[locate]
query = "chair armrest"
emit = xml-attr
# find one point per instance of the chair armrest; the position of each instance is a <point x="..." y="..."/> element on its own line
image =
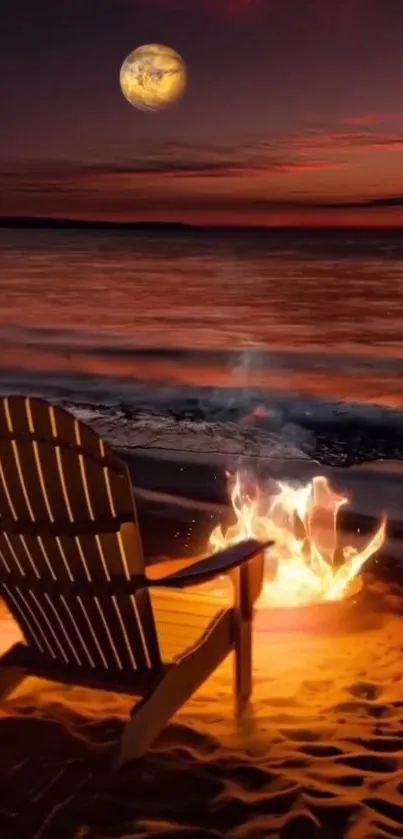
<point x="212" y="566"/>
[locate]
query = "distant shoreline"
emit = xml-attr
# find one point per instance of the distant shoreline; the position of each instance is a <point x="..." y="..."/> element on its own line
<point x="47" y="223"/>
<point x="88" y="224"/>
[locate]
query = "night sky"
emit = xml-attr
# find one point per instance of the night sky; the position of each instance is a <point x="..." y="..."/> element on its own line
<point x="293" y="112"/>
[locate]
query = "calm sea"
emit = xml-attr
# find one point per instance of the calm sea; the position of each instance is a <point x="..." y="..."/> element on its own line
<point x="122" y="317"/>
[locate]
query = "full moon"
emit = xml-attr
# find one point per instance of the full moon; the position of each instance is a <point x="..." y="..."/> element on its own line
<point x="153" y="77"/>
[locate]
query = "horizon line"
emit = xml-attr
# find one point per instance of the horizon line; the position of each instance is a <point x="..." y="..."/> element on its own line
<point x="60" y="222"/>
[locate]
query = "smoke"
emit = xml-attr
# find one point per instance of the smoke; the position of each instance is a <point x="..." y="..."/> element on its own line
<point x="263" y="420"/>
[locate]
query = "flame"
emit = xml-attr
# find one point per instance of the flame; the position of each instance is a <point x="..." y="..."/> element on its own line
<point x="306" y="564"/>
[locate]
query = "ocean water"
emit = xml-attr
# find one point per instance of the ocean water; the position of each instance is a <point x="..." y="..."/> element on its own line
<point x="279" y="333"/>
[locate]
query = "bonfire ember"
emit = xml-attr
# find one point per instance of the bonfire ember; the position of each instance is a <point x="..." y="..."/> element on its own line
<point x="306" y="564"/>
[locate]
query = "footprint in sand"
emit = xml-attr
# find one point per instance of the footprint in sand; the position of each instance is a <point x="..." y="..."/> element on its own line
<point x="365" y="690"/>
<point x="318" y="792"/>
<point x="353" y="780"/>
<point x="320" y="750"/>
<point x="177" y="734"/>
<point x="247" y="775"/>
<point x="364" y="708"/>
<point x="391" y="809"/>
<point x="369" y="762"/>
<point x="300" y="826"/>
<point x="380" y="744"/>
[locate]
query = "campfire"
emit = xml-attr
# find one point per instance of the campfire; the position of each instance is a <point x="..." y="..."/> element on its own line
<point x="307" y="564"/>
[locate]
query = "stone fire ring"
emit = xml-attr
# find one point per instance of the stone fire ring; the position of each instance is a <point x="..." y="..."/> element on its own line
<point x="326" y="615"/>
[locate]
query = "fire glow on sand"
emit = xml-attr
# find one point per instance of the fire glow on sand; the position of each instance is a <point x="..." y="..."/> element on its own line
<point x="306" y="565"/>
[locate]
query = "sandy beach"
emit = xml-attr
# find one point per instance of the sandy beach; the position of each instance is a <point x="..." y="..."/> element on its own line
<point x="318" y="756"/>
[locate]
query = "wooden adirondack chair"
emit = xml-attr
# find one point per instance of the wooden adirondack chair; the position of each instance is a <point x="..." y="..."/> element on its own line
<point x="73" y="576"/>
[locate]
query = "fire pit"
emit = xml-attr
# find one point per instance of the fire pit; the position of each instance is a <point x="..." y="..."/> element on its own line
<point x="320" y="616"/>
<point x="309" y="576"/>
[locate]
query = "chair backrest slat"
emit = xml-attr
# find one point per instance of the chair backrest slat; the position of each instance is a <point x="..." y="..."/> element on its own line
<point x="67" y="514"/>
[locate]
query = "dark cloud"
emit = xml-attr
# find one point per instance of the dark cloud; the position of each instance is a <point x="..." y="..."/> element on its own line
<point x="317" y="147"/>
<point x="385" y="201"/>
<point x="390" y="201"/>
<point x="194" y="176"/>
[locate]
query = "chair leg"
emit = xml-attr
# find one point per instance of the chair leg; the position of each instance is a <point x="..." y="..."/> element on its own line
<point x="177" y="685"/>
<point x="10" y="678"/>
<point x="248" y="583"/>
<point x="243" y="664"/>
<point x="14" y="668"/>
